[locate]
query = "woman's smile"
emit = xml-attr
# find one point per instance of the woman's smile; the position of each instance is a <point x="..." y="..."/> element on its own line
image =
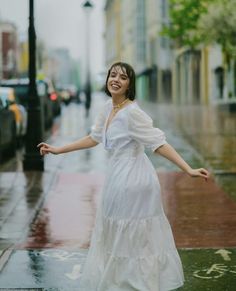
<point x="115" y="86"/>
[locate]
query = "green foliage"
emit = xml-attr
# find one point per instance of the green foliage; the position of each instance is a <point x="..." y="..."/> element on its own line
<point x="219" y="26"/>
<point x="184" y="16"/>
<point x="193" y="22"/>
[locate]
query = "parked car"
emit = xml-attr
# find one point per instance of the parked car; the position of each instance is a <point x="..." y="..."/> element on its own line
<point x="21" y="87"/>
<point x="53" y="96"/>
<point x="8" y="95"/>
<point x="7" y="129"/>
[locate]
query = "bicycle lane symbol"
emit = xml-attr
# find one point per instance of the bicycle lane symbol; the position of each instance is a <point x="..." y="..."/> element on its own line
<point x="63" y="256"/>
<point x="214" y="272"/>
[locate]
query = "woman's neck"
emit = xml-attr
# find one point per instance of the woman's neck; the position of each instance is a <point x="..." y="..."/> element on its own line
<point x="118" y="99"/>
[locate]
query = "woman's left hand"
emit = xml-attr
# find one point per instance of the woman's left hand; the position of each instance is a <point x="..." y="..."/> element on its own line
<point x="199" y="173"/>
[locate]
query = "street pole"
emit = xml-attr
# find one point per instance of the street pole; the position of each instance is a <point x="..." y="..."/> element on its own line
<point x="35" y="132"/>
<point x="87" y="7"/>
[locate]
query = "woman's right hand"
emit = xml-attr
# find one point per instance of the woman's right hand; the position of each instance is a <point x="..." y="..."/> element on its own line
<point x="45" y="149"/>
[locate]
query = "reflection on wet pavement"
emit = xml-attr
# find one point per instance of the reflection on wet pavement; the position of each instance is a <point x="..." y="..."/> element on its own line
<point x="200" y="213"/>
<point x="67" y="216"/>
<point x="49" y="269"/>
<point x="211" y="133"/>
<point x="21" y="195"/>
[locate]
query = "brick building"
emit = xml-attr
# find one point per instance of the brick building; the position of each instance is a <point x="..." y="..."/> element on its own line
<point x="8" y="50"/>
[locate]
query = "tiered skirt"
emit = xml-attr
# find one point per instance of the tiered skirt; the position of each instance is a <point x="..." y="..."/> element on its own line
<point x="129" y="255"/>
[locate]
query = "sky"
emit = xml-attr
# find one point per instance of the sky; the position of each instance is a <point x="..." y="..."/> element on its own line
<point x="61" y="23"/>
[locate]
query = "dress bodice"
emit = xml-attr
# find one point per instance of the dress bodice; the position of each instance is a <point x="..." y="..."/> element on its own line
<point x="128" y="133"/>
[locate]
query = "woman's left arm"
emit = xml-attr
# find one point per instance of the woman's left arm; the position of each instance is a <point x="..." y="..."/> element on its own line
<point x="170" y="153"/>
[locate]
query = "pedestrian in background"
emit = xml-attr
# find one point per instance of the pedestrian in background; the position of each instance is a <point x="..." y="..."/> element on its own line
<point x="132" y="246"/>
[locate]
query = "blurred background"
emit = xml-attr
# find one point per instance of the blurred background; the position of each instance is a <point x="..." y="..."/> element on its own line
<point x="54" y="56"/>
<point x="61" y="38"/>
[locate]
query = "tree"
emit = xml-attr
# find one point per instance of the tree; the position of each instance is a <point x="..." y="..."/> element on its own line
<point x="184" y="16"/>
<point x="203" y="21"/>
<point x="219" y="26"/>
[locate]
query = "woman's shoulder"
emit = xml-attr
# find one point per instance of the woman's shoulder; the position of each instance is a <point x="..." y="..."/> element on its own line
<point x="136" y="112"/>
<point x="133" y="107"/>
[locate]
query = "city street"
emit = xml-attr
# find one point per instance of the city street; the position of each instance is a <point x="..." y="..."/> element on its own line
<point x="47" y="218"/>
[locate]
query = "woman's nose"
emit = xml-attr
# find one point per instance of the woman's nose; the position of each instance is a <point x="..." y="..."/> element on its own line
<point x="116" y="78"/>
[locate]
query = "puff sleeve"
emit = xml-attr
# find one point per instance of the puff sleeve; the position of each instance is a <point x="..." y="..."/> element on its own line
<point x="141" y="129"/>
<point x="97" y="128"/>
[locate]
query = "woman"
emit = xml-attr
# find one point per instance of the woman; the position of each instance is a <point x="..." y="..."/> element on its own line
<point x="132" y="247"/>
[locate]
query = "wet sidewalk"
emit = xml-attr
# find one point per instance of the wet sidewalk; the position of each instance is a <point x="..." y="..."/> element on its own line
<point x="200" y="213"/>
<point x="47" y="218"/>
<point x="50" y="251"/>
<point x="210" y="131"/>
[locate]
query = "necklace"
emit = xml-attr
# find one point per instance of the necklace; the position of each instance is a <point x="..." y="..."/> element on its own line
<point x="118" y="106"/>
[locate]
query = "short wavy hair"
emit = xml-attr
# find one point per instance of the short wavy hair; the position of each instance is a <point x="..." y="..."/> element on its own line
<point x="130" y="93"/>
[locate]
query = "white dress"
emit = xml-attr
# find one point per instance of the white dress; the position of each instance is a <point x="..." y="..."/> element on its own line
<point x="132" y="246"/>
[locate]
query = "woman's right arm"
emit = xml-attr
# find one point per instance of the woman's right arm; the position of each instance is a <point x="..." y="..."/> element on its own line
<point x="83" y="143"/>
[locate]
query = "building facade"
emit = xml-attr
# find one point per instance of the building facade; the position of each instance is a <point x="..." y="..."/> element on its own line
<point x="198" y="76"/>
<point x="23" y="62"/>
<point x="113" y="31"/>
<point x="133" y="36"/>
<point x="164" y="73"/>
<point x="8" y="50"/>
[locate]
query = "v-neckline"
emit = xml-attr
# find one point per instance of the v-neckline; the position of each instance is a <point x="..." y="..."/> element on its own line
<point x="108" y="124"/>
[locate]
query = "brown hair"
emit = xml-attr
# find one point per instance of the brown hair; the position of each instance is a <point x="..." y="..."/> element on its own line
<point x="130" y="93"/>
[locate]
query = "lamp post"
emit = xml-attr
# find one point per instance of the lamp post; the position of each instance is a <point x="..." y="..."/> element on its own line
<point x="87" y="8"/>
<point x="32" y="159"/>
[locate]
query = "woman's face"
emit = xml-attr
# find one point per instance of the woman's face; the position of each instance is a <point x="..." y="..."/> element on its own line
<point x="118" y="81"/>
